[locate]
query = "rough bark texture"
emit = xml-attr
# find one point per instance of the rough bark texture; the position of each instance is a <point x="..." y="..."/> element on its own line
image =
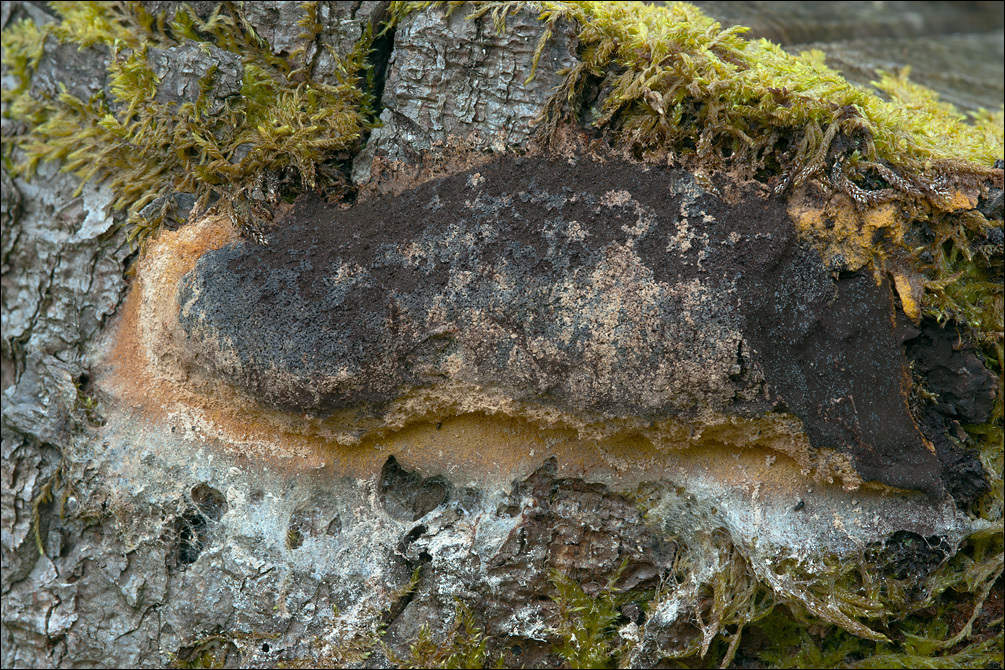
<point x="454" y="78"/>
<point x="136" y="531"/>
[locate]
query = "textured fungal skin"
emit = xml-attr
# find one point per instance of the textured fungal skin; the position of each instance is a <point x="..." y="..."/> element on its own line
<point x="608" y="290"/>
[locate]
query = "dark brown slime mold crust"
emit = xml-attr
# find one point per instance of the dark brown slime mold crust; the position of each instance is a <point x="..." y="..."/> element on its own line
<point x="605" y="289"/>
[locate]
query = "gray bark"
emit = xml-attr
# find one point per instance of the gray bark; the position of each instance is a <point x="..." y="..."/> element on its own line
<point x="159" y="542"/>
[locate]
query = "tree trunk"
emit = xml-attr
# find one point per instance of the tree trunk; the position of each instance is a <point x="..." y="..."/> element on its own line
<point x="514" y="405"/>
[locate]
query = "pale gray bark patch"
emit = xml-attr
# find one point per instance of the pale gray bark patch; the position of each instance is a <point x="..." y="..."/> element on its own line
<point x="81" y="72"/>
<point x="6" y="9"/>
<point x="451" y="77"/>
<point x="31" y="588"/>
<point x="277" y="23"/>
<point x="182" y="73"/>
<point x="39" y="405"/>
<point x="343" y="25"/>
<point x="10" y="211"/>
<point x="63" y="264"/>
<point x="66" y="266"/>
<point x="63" y="276"/>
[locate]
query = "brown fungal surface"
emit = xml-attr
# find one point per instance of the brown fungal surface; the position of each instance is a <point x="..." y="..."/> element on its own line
<point x="611" y="298"/>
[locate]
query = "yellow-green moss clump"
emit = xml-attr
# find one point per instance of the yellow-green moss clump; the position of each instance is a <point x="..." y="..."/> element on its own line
<point x="145" y="149"/>
<point x="678" y="87"/>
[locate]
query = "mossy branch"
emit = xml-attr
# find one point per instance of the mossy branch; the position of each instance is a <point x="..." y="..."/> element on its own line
<point x="145" y="150"/>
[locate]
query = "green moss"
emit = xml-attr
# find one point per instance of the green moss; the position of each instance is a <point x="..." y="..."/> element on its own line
<point x="789" y="643"/>
<point x="44" y="497"/>
<point x="210" y="651"/>
<point x="85" y="408"/>
<point x="869" y="607"/>
<point x="283" y="123"/>
<point x="294" y="538"/>
<point x="462" y="646"/>
<point x="587" y="625"/>
<point x="678" y="82"/>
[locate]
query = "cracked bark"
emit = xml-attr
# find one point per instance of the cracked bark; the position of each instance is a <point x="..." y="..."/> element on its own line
<point x="124" y="577"/>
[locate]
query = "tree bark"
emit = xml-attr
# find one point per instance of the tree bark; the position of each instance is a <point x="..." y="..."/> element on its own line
<point x="142" y="528"/>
